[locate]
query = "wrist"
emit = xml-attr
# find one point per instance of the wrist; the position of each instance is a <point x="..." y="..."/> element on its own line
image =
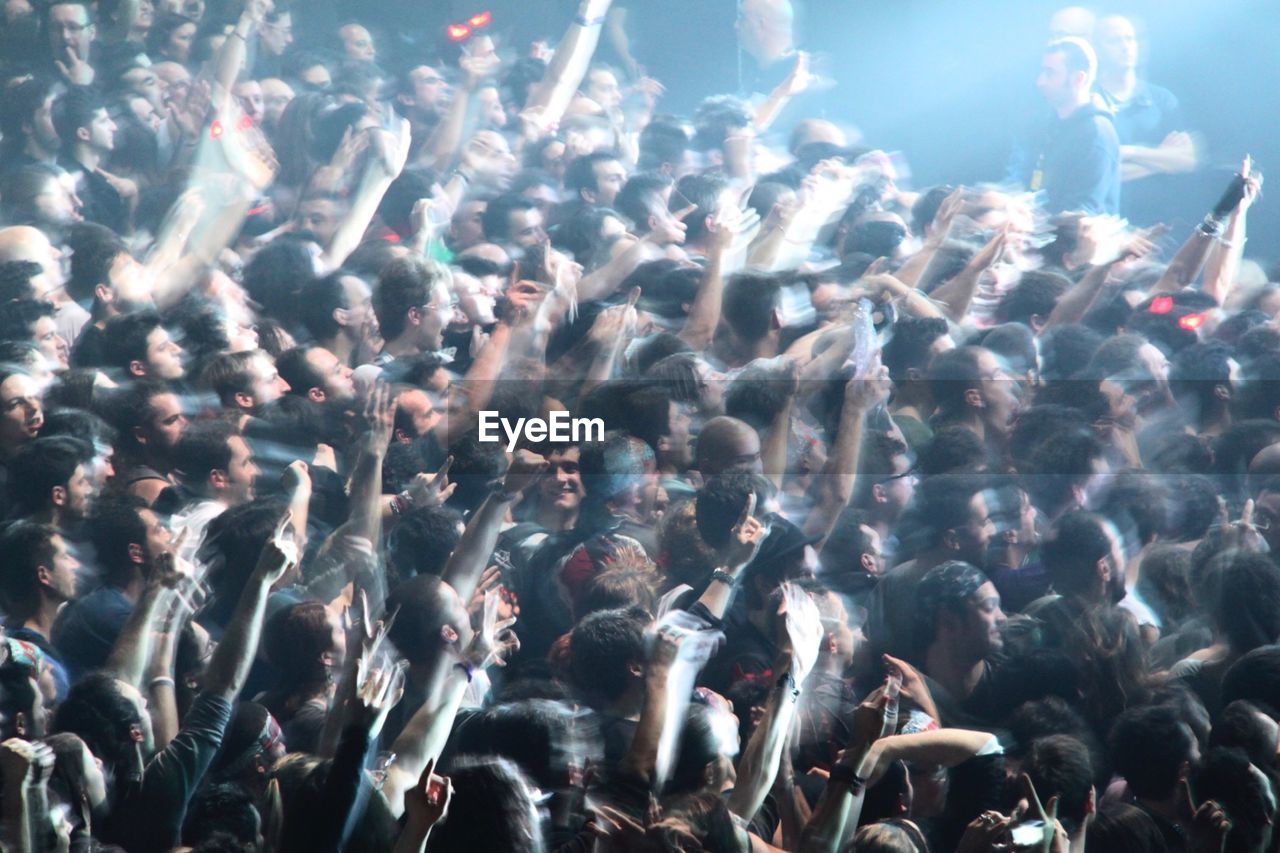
<point x="728" y="575"/>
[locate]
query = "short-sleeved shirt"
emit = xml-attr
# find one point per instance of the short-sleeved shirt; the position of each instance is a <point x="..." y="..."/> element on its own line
<point x="1149" y="115"/>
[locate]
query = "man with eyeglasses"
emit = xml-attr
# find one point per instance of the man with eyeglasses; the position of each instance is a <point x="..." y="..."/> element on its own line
<point x="71" y="37"/>
<point x="884" y="488"/>
<point x="972" y="390"/>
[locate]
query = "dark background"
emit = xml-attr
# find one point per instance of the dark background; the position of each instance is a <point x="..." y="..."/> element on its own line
<point x="949" y="82"/>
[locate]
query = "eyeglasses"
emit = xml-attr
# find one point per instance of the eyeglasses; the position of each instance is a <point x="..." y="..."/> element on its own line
<point x="910" y="472"/>
<point x="72" y="28"/>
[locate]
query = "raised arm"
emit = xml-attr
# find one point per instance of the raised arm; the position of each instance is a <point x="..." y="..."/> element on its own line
<point x="132" y="651"/>
<point x="744" y="544"/>
<point x="386" y="158"/>
<point x="955" y="295"/>
<point x="573" y="56"/>
<point x="841" y="802"/>
<point x="1190" y="259"/>
<point x="801" y="632"/>
<point x="232" y="659"/>
<point x="704" y="314"/>
<point x="1224" y="261"/>
<point x="468" y="560"/>
<point x="233" y="55"/>
<point x="835" y="487"/>
<point x="796" y="82"/>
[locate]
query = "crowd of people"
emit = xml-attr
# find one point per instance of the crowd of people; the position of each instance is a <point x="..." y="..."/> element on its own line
<point x="902" y="518"/>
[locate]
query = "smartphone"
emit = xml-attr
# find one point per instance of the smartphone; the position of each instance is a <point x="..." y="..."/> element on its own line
<point x="1029" y="834"/>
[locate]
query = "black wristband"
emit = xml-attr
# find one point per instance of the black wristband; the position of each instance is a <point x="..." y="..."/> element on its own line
<point x="723" y="577"/>
<point x="844" y="773"/>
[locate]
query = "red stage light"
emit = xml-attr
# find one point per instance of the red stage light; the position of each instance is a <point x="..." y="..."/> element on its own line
<point x="1161" y="305"/>
<point x="481" y="20"/>
<point x="1191" y="322"/>
<point x="458" y="32"/>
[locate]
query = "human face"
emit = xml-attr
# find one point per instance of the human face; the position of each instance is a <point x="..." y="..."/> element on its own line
<point x="430" y="91"/>
<point x="42" y="125"/>
<point x="44" y="334"/>
<point x="603" y="88"/>
<point x="320" y="216"/>
<point x="146" y="113"/>
<point x="610" y="176"/>
<point x="562" y="485"/>
<point x="241" y="473"/>
<point x="102" y="132"/>
<point x="434" y="317"/>
<point x="1117" y="43"/>
<point x="61" y="579"/>
<point x="175" y="81"/>
<point x="178" y="47"/>
<point x="56" y="204"/>
<point x="974" y="537"/>
<point x="679" y="440"/>
<point x="249" y="96"/>
<point x="357" y="43"/>
<point x="422" y="414"/>
<point x="465" y="229"/>
<point x="1115" y="564"/>
<point x="164" y="357"/>
<point x="266" y="385"/>
<point x="21" y="413"/>
<point x="361" y="321"/>
<point x="159" y="540"/>
<point x="337" y="376"/>
<point x="492" y="113"/>
<point x="164" y="425"/>
<point x="277" y="35"/>
<point x="897" y="489"/>
<point x="276" y="95"/>
<point x="70" y="30"/>
<point x="79" y="494"/>
<point x="526" y="228"/>
<point x="144" y="83"/>
<point x="875" y="551"/>
<point x="1055" y="81"/>
<point x="983" y="622"/>
<point x="999" y="394"/>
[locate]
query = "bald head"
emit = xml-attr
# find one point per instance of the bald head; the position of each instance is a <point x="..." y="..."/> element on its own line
<point x="765" y="28"/>
<point x="24" y="243"/>
<point x="1116" y="41"/>
<point x="726" y="443"/>
<point x="1071" y="21"/>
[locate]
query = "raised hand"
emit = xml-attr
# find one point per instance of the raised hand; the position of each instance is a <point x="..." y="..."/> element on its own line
<point x="280" y="554"/>
<point x="1208" y="822"/>
<point x="800" y="78"/>
<point x="494" y="640"/>
<point x="296" y="478"/>
<point x="800" y="630"/>
<point x="866" y="391"/>
<point x="76" y="69"/>
<point x="378" y="690"/>
<point x="432" y="489"/>
<point x="614" y="326"/>
<point x="526" y="469"/>
<point x="380" y="415"/>
<point x="427" y="803"/>
<point x="745" y="538"/>
<point x="984" y="833"/>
